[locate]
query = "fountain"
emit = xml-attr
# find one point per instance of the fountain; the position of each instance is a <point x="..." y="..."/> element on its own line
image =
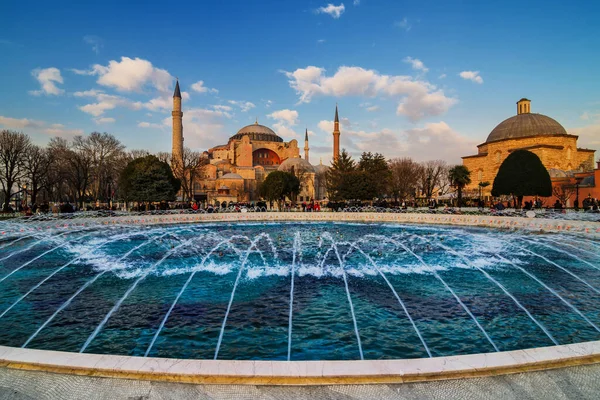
<point x="294" y="291"/>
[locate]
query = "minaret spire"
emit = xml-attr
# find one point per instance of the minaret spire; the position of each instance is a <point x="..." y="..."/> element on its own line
<point x="306" y="149"/>
<point x="177" y="92"/>
<point x="336" y="135"/>
<point x="177" y="151"/>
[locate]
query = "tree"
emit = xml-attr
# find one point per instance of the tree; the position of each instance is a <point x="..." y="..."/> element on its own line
<point x="37" y="167"/>
<point x="459" y="177"/>
<point x="279" y="184"/>
<point x="107" y="157"/>
<point x="376" y="175"/>
<point x="335" y="181"/>
<point x="147" y="179"/>
<point x="522" y="174"/>
<point x="481" y="186"/>
<point x="563" y="193"/>
<point x="404" y="178"/>
<point x="13" y="151"/>
<point x="192" y="161"/>
<point x="430" y="176"/>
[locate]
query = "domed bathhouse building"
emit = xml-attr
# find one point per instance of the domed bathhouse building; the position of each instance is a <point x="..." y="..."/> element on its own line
<point x="234" y="170"/>
<point x="537" y="133"/>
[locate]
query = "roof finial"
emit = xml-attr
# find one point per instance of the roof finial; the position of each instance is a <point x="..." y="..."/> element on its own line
<point x="256" y="122"/>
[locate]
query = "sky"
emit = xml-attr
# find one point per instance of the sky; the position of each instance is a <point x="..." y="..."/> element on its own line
<point x="423" y="79"/>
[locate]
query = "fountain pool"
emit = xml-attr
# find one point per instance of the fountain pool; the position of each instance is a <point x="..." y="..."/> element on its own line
<point x="295" y="291"/>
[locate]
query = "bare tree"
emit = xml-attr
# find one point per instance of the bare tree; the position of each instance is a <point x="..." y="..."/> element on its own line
<point x="404" y="177"/>
<point x="13" y="150"/>
<point x="563" y="192"/>
<point x="164" y="156"/>
<point x="430" y="176"/>
<point x="192" y="161"/>
<point x="137" y="153"/>
<point x="37" y="167"/>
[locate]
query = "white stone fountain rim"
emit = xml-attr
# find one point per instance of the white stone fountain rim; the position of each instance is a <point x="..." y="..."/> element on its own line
<point x="588" y="229"/>
<point x="302" y="372"/>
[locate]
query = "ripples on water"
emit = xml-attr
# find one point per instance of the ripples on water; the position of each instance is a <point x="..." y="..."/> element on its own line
<point x="169" y="291"/>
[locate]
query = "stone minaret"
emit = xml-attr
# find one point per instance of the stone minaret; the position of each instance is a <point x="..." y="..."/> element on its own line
<point x="336" y="136"/>
<point x="523" y="106"/>
<point x="177" y="152"/>
<point x="306" y="145"/>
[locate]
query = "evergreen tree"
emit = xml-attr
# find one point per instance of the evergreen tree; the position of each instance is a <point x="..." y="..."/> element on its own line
<point x="522" y="174"/>
<point x="376" y="175"/>
<point x="147" y="179"/>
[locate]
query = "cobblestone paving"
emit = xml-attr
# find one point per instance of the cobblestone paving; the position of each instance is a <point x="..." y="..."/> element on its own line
<point x="567" y="383"/>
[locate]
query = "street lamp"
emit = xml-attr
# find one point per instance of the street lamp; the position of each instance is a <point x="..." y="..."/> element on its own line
<point x="25" y="192"/>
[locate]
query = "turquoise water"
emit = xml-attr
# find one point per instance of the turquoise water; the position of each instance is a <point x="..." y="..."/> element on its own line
<point x="371" y="291"/>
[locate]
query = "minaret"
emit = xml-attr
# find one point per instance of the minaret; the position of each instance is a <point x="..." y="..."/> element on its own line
<point x="306" y="145"/>
<point x="177" y="152"/>
<point x="336" y="136"/>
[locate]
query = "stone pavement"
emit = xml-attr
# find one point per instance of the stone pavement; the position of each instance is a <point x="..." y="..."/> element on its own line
<point x="582" y="382"/>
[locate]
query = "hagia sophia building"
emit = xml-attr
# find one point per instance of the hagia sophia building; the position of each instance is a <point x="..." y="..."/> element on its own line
<point x="541" y="135"/>
<point x="235" y="169"/>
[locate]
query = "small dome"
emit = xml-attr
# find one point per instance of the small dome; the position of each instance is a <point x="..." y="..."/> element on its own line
<point x="321" y="169"/>
<point x="525" y="125"/>
<point x="297" y="163"/>
<point x="257" y="132"/>
<point x="231" y="175"/>
<point x="557" y="173"/>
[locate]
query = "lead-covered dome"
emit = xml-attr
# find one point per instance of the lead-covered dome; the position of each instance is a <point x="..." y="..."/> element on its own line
<point x="257" y="132"/>
<point x="525" y="125"/>
<point x="299" y="164"/>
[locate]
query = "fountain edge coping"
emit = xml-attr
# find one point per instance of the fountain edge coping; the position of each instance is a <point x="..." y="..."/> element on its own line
<point x="584" y="228"/>
<point x="301" y="372"/>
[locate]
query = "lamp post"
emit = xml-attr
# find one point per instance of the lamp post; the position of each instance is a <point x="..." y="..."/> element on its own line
<point x="25" y="193"/>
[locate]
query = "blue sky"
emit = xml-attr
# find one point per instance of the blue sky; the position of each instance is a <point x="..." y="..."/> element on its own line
<point x="425" y="79"/>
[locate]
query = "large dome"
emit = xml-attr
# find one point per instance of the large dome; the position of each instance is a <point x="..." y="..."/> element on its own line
<point x="297" y="163"/>
<point x="257" y="132"/>
<point x="525" y="125"/>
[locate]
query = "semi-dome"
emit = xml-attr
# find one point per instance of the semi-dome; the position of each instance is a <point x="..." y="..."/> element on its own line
<point x="524" y="125"/>
<point x="299" y="164"/>
<point x="231" y="175"/>
<point x="257" y="132"/>
<point x="320" y="168"/>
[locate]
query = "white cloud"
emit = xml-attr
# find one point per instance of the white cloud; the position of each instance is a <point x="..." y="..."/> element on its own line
<point x="245" y="106"/>
<point x="356" y="2"/>
<point x="95" y="41"/>
<point x="150" y="125"/>
<point x="471" y="76"/>
<point x="372" y="108"/>
<point x="589" y="136"/>
<point x="403" y="24"/>
<point x="105" y="120"/>
<point x="442" y="76"/>
<point x="416" y="64"/>
<point x="39" y="126"/>
<point x="63" y="132"/>
<point x="203" y="128"/>
<point x="108" y="102"/>
<point x="268" y="103"/>
<point x="418" y="98"/>
<point x="319" y="41"/>
<point x="288" y="116"/>
<point x="88" y="93"/>
<point x="14" y="123"/>
<point x="48" y="78"/>
<point x="130" y="75"/>
<point x="220" y="107"/>
<point x="431" y="141"/>
<point x="200" y="88"/>
<point x="333" y="11"/>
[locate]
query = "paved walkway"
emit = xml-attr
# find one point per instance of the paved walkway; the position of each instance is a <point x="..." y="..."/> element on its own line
<point x="568" y="383"/>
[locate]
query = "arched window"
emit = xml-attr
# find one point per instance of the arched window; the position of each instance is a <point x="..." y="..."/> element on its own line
<point x="480" y="175"/>
<point x="498" y="156"/>
<point x="568" y="153"/>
